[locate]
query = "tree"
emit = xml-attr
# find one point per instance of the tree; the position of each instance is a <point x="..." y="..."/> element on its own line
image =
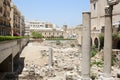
<point x="36" y="35"/>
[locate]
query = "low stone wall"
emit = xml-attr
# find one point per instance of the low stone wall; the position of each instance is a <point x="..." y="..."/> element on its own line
<point x="24" y="42"/>
<point x="11" y="47"/>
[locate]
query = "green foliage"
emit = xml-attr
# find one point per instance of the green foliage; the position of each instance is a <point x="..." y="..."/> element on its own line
<point x="36" y="35"/>
<point x="101" y="38"/>
<point x="4" y="38"/>
<point x="99" y="63"/>
<point x="94" y="50"/>
<point x="58" y="42"/>
<point x="116" y="36"/>
<point x="72" y="45"/>
<point x="113" y="60"/>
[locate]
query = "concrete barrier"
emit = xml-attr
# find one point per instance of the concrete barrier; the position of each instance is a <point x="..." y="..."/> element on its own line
<point x="11" y="47"/>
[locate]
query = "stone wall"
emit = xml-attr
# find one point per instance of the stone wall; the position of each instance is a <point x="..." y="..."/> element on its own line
<point x="97" y="9"/>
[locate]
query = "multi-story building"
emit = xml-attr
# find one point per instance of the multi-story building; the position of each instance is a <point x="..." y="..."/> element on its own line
<point x="47" y="29"/>
<point x="5" y="17"/>
<point x="27" y="29"/>
<point x="17" y="21"/>
<point x="97" y="9"/>
<point x="22" y="26"/>
<point x="34" y="24"/>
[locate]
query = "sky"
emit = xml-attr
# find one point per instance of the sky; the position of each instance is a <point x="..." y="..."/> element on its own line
<point x="59" y="12"/>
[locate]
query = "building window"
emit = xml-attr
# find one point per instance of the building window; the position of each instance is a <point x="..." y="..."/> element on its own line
<point x="1" y="10"/>
<point x="94" y="28"/>
<point x="94" y="6"/>
<point x="103" y="29"/>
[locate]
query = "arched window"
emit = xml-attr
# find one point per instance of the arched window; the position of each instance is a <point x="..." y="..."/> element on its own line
<point x="96" y="42"/>
<point x="94" y="5"/>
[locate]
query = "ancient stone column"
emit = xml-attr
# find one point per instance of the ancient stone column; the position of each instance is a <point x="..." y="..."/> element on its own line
<point x="50" y="60"/>
<point x="108" y="41"/>
<point x="86" y="47"/>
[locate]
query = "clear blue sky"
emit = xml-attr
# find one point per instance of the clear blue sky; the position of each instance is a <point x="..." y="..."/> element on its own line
<point x="59" y="12"/>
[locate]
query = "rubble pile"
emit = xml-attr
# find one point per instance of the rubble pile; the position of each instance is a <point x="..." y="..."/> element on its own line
<point x="66" y="63"/>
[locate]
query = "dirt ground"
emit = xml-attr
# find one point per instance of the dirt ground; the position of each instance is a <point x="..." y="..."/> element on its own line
<point x="65" y="59"/>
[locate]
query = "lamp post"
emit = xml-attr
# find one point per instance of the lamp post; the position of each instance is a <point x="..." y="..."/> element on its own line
<point x="108" y="38"/>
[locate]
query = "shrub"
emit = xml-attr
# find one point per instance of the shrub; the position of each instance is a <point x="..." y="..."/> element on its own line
<point x="98" y="63"/>
<point x="94" y="50"/>
<point x="72" y="45"/>
<point x="113" y="60"/>
<point x="4" y="38"/>
<point x="101" y="38"/>
<point x="58" y="42"/>
<point x="116" y="36"/>
<point x="36" y="35"/>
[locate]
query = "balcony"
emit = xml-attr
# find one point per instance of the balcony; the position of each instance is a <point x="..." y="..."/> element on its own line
<point x="5" y="3"/>
<point x="4" y="25"/>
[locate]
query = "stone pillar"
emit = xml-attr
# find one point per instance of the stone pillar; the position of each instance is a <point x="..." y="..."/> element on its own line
<point x="11" y="21"/>
<point x="7" y="65"/>
<point x="16" y="62"/>
<point x="86" y="46"/>
<point x="108" y="41"/>
<point x="50" y="60"/>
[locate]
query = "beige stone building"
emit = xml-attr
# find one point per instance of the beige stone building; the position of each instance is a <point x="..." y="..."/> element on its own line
<point x="75" y="33"/>
<point x="22" y="25"/>
<point x="17" y="21"/>
<point x="35" y="24"/>
<point x="5" y="17"/>
<point x="97" y="9"/>
<point x="27" y="28"/>
<point x="47" y="29"/>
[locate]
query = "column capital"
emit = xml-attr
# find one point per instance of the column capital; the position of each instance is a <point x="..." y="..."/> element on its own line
<point x="108" y="10"/>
